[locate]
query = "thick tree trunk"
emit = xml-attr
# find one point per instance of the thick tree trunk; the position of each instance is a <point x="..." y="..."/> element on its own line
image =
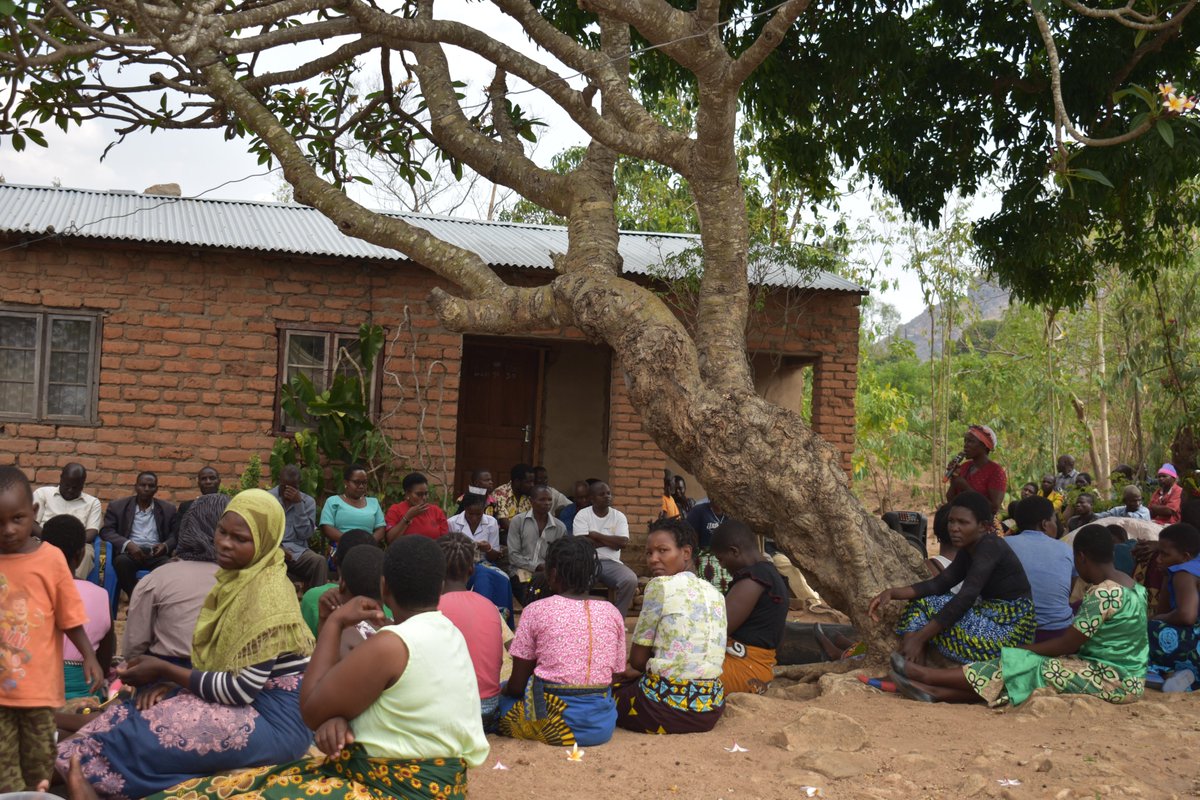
<point x="760" y="461"/>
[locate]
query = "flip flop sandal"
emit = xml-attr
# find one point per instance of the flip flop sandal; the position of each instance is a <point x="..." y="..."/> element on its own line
<point x="878" y="683"/>
<point x="899" y="664"/>
<point x="905" y="687"/>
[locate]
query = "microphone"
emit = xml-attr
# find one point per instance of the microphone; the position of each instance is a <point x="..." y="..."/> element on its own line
<point x="953" y="466"/>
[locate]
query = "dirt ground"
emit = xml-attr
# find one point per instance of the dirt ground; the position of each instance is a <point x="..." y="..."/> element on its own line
<point x="841" y="739"/>
<point x="854" y="742"/>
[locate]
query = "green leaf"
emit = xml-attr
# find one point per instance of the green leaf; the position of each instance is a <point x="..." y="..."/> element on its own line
<point x="1093" y="175"/>
<point x="1164" y="130"/>
<point x="7" y="7"/>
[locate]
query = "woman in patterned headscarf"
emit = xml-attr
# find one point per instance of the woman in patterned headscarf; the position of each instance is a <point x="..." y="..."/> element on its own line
<point x="241" y="704"/>
<point x="974" y="471"/>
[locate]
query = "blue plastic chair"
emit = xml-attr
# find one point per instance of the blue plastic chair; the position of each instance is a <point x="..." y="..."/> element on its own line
<point x="104" y="575"/>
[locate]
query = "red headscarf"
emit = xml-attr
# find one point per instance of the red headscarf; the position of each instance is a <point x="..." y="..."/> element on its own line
<point x="985" y="435"/>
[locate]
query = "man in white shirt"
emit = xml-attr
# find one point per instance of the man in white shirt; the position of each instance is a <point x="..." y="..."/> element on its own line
<point x="608" y="530"/>
<point x="69" y="498"/>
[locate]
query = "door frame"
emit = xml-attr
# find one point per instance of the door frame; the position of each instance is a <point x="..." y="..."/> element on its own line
<point x="535" y="439"/>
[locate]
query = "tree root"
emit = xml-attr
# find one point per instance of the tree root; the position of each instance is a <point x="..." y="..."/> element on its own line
<point x="811" y="673"/>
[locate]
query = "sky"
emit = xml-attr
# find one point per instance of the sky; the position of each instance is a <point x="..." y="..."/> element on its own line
<point x="204" y="163"/>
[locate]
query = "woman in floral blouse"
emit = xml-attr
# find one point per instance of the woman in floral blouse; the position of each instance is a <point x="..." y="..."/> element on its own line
<point x="673" y="683"/>
<point x="1104" y="653"/>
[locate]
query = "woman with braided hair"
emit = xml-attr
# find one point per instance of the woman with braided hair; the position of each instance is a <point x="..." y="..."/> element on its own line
<point x="567" y="648"/>
<point x="476" y="618"/>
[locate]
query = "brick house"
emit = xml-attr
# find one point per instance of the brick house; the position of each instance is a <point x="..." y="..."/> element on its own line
<point x="148" y="332"/>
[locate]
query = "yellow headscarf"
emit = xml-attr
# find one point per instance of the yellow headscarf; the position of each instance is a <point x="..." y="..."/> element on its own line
<point x="252" y="615"/>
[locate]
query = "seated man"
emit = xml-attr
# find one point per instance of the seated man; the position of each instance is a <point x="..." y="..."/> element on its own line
<point x="139" y="529"/>
<point x="1049" y="565"/>
<point x="208" y="481"/>
<point x="70" y="498"/>
<point x="530" y="535"/>
<point x="513" y="497"/>
<point x="1131" y="497"/>
<point x="1083" y="512"/>
<point x="608" y="529"/>
<point x="300" y="511"/>
<point x="581" y="498"/>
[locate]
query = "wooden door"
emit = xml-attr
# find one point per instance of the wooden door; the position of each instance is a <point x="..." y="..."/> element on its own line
<point x="499" y="408"/>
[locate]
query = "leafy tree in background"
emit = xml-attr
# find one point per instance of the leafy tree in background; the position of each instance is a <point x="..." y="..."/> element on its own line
<point x="926" y="97"/>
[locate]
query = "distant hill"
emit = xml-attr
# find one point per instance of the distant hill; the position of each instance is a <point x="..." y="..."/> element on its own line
<point x="984" y="302"/>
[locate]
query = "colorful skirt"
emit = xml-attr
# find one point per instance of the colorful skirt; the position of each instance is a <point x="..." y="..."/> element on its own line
<point x="1174" y="648"/>
<point x="559" y="714"/>
<point x="76" y="683"/>
<point x="129" y="753"/>
<point x="654" y="704"/>
<point x="979" y="634"/>
<point x="1018" y="673"/>
<point x="709" y="568"/>
<point x="350" y="775"/>
<point x="747" y="669"/>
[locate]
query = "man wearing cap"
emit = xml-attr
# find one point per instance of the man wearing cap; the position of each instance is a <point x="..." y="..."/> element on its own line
<point x="1167" y="498"/>
<point x="975" y="471"/>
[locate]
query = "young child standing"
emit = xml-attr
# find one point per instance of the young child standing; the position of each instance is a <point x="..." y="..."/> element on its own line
<point x="38" y="605"/>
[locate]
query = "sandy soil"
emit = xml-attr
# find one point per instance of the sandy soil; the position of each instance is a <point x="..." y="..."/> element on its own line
<point x="855" y="742"/>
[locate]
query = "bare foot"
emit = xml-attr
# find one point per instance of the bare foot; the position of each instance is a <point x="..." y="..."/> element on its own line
<point x="78" y="787"/>
<point x="43" y="786"/>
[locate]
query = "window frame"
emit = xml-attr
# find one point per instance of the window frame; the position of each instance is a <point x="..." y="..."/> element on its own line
<point x="44" y="319"/>
<point x="331" y="333"/>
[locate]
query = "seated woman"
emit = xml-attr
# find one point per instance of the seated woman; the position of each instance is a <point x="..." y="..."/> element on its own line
<point x="567" y="648"/>
<point x="947" y="551"/>
<point x="166" y="603"/>
<point x="474" y="522"/>
<point x="68" y="534"/>
<point x="400" y="711"/>
<point x="756" y="609"/>
<point x="993" y="607"/>
<point x="1103" y="653"/>
<point x="415" y="515"/>
<point x="476" y="619"/>
<point x="674" y="674"/>
<point x="1175" y="629"/>
<point x="352" y="509"/>
<point x="240" y="705"/>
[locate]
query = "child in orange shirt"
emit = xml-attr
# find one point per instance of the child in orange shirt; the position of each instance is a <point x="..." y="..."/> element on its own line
<point x="38" y="605"/>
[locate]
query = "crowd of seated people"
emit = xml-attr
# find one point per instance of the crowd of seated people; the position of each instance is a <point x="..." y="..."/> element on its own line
<point x="507" y="617"/>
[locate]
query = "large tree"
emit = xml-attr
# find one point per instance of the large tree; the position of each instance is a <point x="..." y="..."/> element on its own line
<point x="923" y="96"/>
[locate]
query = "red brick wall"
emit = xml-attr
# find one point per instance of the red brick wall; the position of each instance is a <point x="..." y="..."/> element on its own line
<point x="190" y="351"/>
<point x="189" y="357"/>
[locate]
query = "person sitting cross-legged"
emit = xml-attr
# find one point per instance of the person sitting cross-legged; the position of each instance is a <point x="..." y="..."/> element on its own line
<point x="993" y="608"/>
<point x="397" y="717"/>
<point x="608" y="530"/>
<point x="478" y="621"/>
<point x="166" y="603"/>
<point x="756" y="607"/>
<point x="240" y="704"/>
<point x="673" y="682"/>
<point x="1103" y="653"/>
<point x="139" y="529"/>
<point x="567" y="648"/>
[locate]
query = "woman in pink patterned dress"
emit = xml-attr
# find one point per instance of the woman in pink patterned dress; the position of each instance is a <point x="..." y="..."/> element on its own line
<point x="239" y="706"/>
<point x="565" y="652"/>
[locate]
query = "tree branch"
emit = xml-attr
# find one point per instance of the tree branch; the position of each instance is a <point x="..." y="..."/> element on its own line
<point x="770" y="37"/>
<point x="461" y="267"/>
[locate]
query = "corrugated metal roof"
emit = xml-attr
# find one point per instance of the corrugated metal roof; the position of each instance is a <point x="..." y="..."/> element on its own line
<point x="285" y="228"/>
